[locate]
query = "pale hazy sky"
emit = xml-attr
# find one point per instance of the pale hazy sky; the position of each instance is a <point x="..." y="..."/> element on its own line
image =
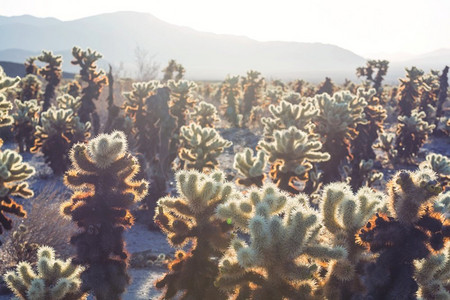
<point x="365" y="27"/>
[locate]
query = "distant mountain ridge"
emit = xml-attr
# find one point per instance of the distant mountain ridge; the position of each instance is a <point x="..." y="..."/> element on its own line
<point x="204" y="55"/>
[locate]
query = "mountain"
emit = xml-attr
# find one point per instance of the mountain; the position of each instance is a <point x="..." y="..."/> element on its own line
<point x="204" y="55"/>
<point x="16" y="69"/>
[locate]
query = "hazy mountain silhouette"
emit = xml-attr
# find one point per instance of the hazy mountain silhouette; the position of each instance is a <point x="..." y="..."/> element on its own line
<point x="204" y="55"/>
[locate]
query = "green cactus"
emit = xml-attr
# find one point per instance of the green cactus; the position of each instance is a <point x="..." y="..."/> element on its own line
<point x="52" y="73"/>
<point x="291" y="155"/>
<point x="336" y="124"/>
<point x="7" y="82"/>
<point x="58" y="132"/>
<point x="95" y="81"/>
<point x="231" y="93"/>
<point x="412" y="133"/>
<point x="191" y="217"/>
<point x="102" y="177"/>
<point x="251" y="167"/>
<point x="55" y="279"/>
<point x="202" y="147"/>
<point x="282" y="259"/>
<point x="204" y="114"/>
<point x="67" y="101"/>
<point x="252" y="87"/>
<point x="286" y="115"/>
<point x="343" y="214"/>
<point x="5" y="106"/>
<point x="25" y="120"/>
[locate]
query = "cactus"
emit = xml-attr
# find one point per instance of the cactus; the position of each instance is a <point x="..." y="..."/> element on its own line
<point x="442" y="96"/>
<point x="440" y="164"/>
<point x="292" y="97"/>
<point x="30" y="66"/>
<point x="95" y="81"/>
<point x="73" y="88"/>
<point x="410" y="90"/>
<point x="361" y="146"/>
<point x="5" y="118"/>
<point x="372" y="66"/>
<point x="411" y="233"/>
<point x="282" y="259"/>
<point x="25" y="121"/>
<point x="286" y="115"/>
<point x="387" y="144"/>
<point x="102" y="178"/>
<point x="59" y="131"/>
<point x="326" y="87"/>
<point x="204" y="114"/>
<point x="432" y="275"/>
<point x="55" y="279"/>
<point x="67" y="101"/>
<point x="171" y="68"/>
<point x="52" y="73"/>
<point x="251" y="167"/>
<point x="252" y="86"/>
<point x="7" y="82"/>
<point x="191" y="217"/>
<point x="13" y="173"/>
<point x="29" y="88"/>
<point x="412" y="133"/>
<point x="231" y="93"/>
<point x="343" y="214"/>
<point x="291" y="155"/>
<point x="336" y="123"/>
<point x="181" y="100"/>
<point x="429" y="96"/>
<point x="273" y="96"/>
<point x="202" y="147"/>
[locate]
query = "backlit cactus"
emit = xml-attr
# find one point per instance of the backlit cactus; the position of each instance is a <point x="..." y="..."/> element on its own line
<point x="410" y="91"/>
<point x="55" y="279"/>
<point x="67" y="101"/>
<point x="95" y="81"/>
<point x="102" y="178"/>
<point x="201" y="148"/>
<point x="59" y="130"/>
<point x="231" y="101"/>
<point x="251" y="167"/>
<point x="25" y="120"/>
<point x="343" y="214"/>
<point x="29" y="88"/>
<point x="52" y="73"/>
<point x="252" y="96"/>
<point x="191" y="217"/>
<point x="5" y="106"/>
<point x="282" y="257"/>
<point x="411" y="233"/>
<point x="291" y="155"/>
<point x="204" y="114"/>
<point x="440" y="164"/>
<point x="374" y="71"/>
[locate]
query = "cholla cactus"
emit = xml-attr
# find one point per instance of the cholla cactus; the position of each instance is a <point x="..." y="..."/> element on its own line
<point x="252" y="86"/>
<point x="429" y="95"/>
<point x="13" y="173"/>
<point x="442" y="204"/>
<point x="326" y="87"/>
<point x="102" y="177"/>
<point x="29" y="88"/>
<point x="280" y="262"/>
<point x="231" y="93"/>
<point x="52" y="74"/>
<point x="412" y="132"/>
<point x="55" y="279"/>
<point x="73" y="88"/>
<point x="171" y="68"/>
<point x="410" y="90"/>
<point x="432" y="275"/>
<point x="59" y="130"/>
<point x="67" y="101"/>
<point x="181" y="100"/>
<point x="286" y="115"/>
<point x="343" y="214"/>
<point x="442" y="96"/>
<point x="204" y="114"/>
<point x="5" y="118"/>
<point x="336" y="123"/>
<point x="137" y="110"/>
<point x="440" y="164"/>
<point x="380" y="66"/>
<point x="292" y="97"/>
<point x="251" y="167"/>
<point x="387" y="144"/>
<point x="202" y="147"/>
<point x="273" y="96"/>
<point x="413" y="231"/>
<point x="191" y="217"/>
<point x="291" y="154"/>
<point x="25" y="120"/>
<point x="7" y="82"/>
<point x="95" y="81"/>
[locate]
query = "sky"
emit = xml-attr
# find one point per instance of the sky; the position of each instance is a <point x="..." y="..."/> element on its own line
<point x="384" y="28"/>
